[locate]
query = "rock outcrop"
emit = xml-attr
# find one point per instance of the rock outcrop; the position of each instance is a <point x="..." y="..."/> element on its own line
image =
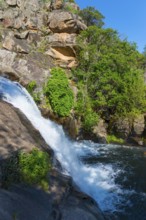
<point x="63" y="200"/>
<point x="33" y="26"/>
<point x="16" y="132"/>
<point x="33" y="67"/>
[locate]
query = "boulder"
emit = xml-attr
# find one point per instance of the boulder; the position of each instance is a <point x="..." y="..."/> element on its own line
<point x="62" y="201"/>
<point x="100" y="131"/>
<point x="63" y="21"/>
<point x="72" y="204"/>
<point x="16" y="132"/>
<point x="62" y="39"/>
<point x="17" y="45"/>
<point x="56" y="4"/>
<point x="138" y="126"/>
<point x="121" y="127"/>
<point x="26" y="69"/>
<point x="62" y="48"/>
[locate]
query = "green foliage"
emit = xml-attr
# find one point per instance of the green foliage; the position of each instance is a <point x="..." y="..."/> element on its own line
<point x="111" y="71"/>
<point x="59" y="93"/>
<point x="84" y="110"/>
<point x="34" y="167"/>
<point x="36" y="95"/>
<point x="31" y="168"/>
<point x="31" y="86"/>
<point x="90" y="119"/>
<point x="91" y="16"/>
<point x="144" y="51"/>
<point x="71" y="9"/>
<point x="114" y="140"/>
<point x="43" y="44"/>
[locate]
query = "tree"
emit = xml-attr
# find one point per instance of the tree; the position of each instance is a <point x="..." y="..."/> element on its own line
<point x="110" y="72"/>
<point x="91" y="16"/>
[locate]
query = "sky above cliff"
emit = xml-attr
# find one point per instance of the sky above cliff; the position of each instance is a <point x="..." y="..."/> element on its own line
<point x="128" y="17"/>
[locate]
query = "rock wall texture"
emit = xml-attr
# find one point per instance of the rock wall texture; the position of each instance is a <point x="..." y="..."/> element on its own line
<point x="34" y="27"/>
<point x="63" y="201"/>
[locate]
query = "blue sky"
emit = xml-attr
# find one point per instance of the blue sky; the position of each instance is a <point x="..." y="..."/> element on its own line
<point x="128" y="17"/>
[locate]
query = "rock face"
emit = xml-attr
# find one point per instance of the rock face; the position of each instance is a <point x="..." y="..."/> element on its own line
<point x="33" y="26"/>
<point x="131" y="131"/>
<point x="26" y="69"/>
<point x="100" y="131"/>
<point x="63" y="200"/>
<point x="65" y="22"/>
<point x="122" y="127"/>
<point x="16" y="132"/>
<point x="56" y="4"/>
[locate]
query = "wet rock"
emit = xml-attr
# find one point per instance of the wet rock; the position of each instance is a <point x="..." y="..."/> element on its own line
<point x="16" y="132"/>
<point x="63" y="200"/>
<point x="72" y="203"/>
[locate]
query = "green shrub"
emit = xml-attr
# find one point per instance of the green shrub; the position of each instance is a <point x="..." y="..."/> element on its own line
<point x="59" y="93"/>
<point x="31" y="86"/>
<point x="34" y="167"/>
<point x="71" y="9"/>
<point x="31" y="168"/>
<point x="36" y="95"/>
<point x="90" y="119"/>
<point x="114" y="140"/>
<point x="111" y="71"/>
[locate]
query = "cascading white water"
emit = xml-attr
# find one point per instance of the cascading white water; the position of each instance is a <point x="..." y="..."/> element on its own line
<point x="97" y="181"/>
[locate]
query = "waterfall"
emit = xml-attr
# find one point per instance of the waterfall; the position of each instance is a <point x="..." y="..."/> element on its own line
<point x="97" y="181"/>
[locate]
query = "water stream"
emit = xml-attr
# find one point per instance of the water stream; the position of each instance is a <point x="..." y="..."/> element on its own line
<point x="113" y="175"/>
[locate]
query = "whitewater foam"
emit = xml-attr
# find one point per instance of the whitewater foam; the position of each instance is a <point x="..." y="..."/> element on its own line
<point x="98" y="181"/>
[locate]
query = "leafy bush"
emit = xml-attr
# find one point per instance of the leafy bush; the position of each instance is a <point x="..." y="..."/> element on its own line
<point x="71" y="9"/>
<point x="31" y="86"/>
<point x="90" y="119"/>
<point x="91" y="16"/>
<point x="59" y="93"/>
<point x="114" y="140"/>
<point x="111" y="71"/>
<point x="36" y="95"/>
<point x="34" y="167"/>
<point x="31" y="168"/>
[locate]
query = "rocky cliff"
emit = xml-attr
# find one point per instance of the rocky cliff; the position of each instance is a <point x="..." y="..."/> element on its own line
<point x="35" y="36"/>
<point x="38" y="35"/>
<point x="62" y="201"/>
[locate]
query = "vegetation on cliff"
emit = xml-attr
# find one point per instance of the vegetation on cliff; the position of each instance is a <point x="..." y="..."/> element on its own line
<point x="30" y="168"/>
<point x="110" y="72"/>
<point x="59" y="93"/>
